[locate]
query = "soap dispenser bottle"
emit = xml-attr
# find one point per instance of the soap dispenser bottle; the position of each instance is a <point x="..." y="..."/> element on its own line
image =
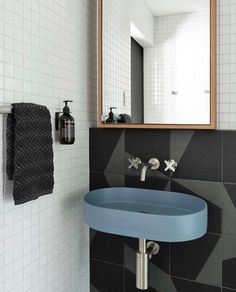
<point x="66" y="124"/>
<point x="111" y="119"/>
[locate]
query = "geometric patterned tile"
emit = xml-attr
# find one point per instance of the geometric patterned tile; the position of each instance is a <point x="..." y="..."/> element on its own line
<point x="106" y="247"/>
<point x="106" y="277"/>
<point x="198" y="153"/>
<point x="116" y="161"/>
<point x="229" y="210"/>
<point x="105" y="180"/>
<point x="190" y="259"/>
<point x="208" y="274"/>
<point x="201" y="159"/>
<point x="147" y="144"/>
<point x="229" y="156"/>
<point x="229" y="262"/>
<point x="103" y="142"/>
<point x="180" y="285"/>
<point x="211" y="192"/>
<point x="179" y="141"/>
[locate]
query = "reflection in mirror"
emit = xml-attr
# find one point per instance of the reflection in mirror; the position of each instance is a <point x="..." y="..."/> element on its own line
<point x="156" y="61"/>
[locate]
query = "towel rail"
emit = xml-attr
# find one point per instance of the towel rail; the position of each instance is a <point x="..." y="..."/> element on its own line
<point x="5" y="109"/>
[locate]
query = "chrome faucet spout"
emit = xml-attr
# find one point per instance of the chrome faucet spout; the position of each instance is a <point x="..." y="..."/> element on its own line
<point x="144" y="171"/>
<point x="153" y="164"/>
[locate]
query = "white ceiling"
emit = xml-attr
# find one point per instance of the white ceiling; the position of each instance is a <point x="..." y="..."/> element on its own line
<point x="165" y="7"/>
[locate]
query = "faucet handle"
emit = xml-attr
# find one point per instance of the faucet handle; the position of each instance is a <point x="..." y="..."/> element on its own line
<point x="171" y="165"/>
<point x="135" y="162"/>
<point x="154" y="163"/>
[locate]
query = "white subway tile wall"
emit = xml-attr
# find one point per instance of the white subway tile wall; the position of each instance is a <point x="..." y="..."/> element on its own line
<point x="48" y="53"/>
<point x="226" y="77"/>
<point x="171" y="94"/>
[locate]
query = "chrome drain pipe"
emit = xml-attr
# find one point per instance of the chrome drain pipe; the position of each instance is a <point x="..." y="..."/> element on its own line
<point x="143" y="255"/>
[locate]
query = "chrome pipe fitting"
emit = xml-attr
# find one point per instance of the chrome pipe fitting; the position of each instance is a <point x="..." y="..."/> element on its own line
<point x="143" y="255"/>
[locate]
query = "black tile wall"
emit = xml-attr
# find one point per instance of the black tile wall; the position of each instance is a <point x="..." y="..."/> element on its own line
<point x="106" y="277"/>
<point x="152" y="144"/>
<point x="207" y="169"/>
<point x="229" y="262"/>
<point x="229" y="209"/>
<point x="201" y="159"/>
<point x="188" y="286"/>
<point x="211" y="192"/>
<point x="229" y="160"/>
<point x="198" y="260"/>
<point x="100" y="247"/>
<point x="106" y="151"/>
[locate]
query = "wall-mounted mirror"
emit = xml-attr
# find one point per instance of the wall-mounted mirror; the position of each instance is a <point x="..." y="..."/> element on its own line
<point x="157" y="63"/>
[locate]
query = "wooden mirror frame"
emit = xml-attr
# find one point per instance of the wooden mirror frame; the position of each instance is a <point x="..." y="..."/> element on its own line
<point x="210" y="126"/>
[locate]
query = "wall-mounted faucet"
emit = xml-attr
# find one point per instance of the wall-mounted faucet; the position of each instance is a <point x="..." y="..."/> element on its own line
<point x="153" y="164"/>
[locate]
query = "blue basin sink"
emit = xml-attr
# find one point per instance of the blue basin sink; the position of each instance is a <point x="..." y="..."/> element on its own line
<point x="149" y="214"/>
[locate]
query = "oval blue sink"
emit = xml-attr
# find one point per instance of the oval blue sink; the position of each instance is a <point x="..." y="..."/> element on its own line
<point x="149" y="214"/>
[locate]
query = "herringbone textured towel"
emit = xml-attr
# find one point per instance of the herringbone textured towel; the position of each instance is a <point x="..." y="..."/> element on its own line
<point x="29" y="151"/>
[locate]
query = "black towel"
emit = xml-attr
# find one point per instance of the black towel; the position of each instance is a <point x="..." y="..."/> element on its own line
<point x="29" y="151"/>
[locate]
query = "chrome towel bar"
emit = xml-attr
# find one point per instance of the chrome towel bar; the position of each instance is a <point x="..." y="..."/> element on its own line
<point x="5" y="109"/>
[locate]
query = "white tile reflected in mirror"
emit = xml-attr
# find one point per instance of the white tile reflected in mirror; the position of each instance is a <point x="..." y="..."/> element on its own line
<point x="175" y="39"/>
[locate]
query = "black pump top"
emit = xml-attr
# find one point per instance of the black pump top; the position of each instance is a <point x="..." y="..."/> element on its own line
<point x="66" y="109"/>
<point x="111" y="108"/>
<point x="111" y="114"/>
<point x="111" y="119"/>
